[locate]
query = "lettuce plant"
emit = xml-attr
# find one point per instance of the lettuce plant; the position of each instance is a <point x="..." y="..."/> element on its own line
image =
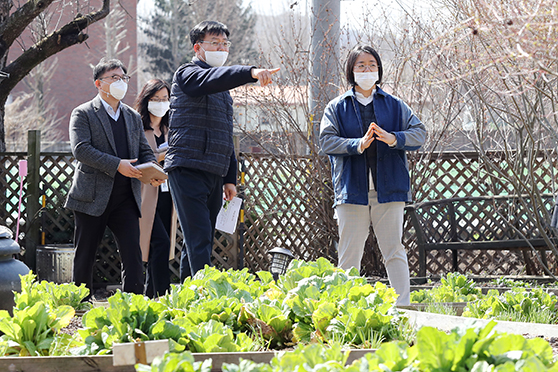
<point x="213" y="336"/>
<point x="266" y="320"/>
<point x="474" y="348"/>
<point x="362" y="321"/>
<point x="454" y="287"/>
<point x="128" y="318"/>
<point x="469" y="347"/>
<point x="516" y="304"/>
<point x="316" y="301"/>
<point x="32" y="330"/>
<point x="53" y="294"/>
<point x="172" y="362"/>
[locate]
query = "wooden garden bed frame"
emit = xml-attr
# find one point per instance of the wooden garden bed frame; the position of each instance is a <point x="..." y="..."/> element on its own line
<point x="104" y="363"/>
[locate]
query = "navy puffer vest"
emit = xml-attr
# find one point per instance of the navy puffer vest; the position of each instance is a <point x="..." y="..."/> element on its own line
<point x="201" y="130"/>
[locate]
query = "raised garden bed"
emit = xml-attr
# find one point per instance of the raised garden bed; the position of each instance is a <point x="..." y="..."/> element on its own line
<point x="312" y="304"/>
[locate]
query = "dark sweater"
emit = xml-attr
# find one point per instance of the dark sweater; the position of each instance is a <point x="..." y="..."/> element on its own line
<point x="121" y="183"/>
<point x="201" y="118"/>
<point x="368" y="116"/>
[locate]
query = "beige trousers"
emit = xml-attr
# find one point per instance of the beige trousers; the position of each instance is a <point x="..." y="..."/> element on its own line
<point x="387" y="222"/>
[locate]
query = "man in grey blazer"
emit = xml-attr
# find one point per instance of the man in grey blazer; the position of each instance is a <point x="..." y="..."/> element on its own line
<point x="107" y="138"/>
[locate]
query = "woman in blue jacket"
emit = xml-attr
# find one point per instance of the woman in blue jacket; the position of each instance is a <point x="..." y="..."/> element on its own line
<point x="366" y="133"/>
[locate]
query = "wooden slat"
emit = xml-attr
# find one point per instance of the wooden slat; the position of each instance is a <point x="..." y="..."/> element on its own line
<point x="104" y="363"/>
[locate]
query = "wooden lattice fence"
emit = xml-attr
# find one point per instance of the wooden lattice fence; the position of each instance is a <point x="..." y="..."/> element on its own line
<point x="464" y="174"/>
<point x="287" y="203"/>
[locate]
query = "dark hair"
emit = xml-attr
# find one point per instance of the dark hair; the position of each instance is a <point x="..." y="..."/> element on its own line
<point x="207" y="27"/>
<point x="149" y="90"/>
<point x="351" y="60"/>
<point x="105" y="65"/>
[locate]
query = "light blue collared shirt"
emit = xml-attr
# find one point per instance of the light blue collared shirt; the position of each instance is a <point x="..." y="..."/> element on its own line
<point x="113" y="114"/>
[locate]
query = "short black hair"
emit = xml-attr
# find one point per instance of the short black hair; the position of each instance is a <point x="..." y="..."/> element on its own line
<point x="207" y="27"/>
<point x="351" y="60"/>
<point x="105" y="65"/>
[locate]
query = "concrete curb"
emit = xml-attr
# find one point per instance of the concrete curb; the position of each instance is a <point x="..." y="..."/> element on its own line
<point x="449" y="322"/>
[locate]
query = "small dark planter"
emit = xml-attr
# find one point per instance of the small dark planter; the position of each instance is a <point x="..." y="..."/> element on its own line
<point x="10" y="270"/>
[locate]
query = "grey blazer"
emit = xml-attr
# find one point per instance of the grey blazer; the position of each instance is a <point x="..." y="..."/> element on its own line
<point x="93" y="147"/>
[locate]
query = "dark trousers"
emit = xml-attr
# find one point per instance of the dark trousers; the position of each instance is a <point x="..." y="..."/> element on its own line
<point x="157" y="274"/>
<point x="122" y="218"/>
<point x="198" y="197"/>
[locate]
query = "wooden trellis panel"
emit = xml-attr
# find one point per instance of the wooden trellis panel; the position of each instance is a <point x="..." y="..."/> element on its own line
<point x="56" y="178"/>
<point x="9" y="196"/>
<point x="285" y="207"/>
<point x="448" y="175"/>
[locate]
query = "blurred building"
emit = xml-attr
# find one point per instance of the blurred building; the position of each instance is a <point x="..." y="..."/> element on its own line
<point x="71" y="83"/>
<point x="271" y="119"/>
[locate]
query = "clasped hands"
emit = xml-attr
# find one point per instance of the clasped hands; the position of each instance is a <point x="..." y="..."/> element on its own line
<point x="376" y="132"/>
<point x="127" y="169"/>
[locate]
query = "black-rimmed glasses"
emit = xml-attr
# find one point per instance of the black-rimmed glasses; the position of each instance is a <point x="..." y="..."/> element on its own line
<point x="216" y="44"/>
<point x="125" y="78"/>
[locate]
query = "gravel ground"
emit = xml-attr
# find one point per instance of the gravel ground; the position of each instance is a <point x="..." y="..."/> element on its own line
<point x="74" y="325"/>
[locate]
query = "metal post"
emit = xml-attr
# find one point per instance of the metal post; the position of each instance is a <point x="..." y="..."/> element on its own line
<point x="242" y="224"/>
<point x="324" y="59"/>
<point x="32" y="205"/>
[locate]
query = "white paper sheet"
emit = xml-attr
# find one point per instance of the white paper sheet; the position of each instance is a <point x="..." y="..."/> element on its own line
<point x="228" y="216"/>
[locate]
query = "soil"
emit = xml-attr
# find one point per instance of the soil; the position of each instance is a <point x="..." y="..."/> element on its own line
<point x="74" y="325"/>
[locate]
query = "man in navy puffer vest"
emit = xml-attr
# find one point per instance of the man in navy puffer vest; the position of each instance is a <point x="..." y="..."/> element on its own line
<point x="200" y="160"/>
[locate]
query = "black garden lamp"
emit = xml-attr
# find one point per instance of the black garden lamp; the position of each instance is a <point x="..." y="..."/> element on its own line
<point x="280" y="258"/>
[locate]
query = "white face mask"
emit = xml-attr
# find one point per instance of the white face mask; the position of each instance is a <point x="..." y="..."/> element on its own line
<point x="118" y="89"/>
<point x="158" y="109"/>
<point x="366" y="80"/>
<point x="215" y="58"/>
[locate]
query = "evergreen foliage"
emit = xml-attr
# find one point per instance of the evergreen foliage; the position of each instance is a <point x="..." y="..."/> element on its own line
<point x="167" y="32"/>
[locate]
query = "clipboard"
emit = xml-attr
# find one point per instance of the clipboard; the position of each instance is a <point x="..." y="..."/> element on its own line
<point x="150" y="171"/>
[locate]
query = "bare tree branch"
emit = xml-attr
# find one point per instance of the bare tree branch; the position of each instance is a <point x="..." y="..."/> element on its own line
<point x="70" y="34"/>
<point x="18" y="21"/>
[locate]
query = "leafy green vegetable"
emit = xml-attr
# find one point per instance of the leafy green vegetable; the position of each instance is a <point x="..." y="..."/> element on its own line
<point x="517" y="304"/>
<point x="216" y="337"/>
<point x="454" y="287"/>
<point x="32" y="330"/>
<point x="471" y="347"/>
<point x="171" y="362"/>
<point x="53" y="294"/>
<point x="312" y="357"/>
<point x="266" y="319"/>
<point x="245" y="365"/>
<point x="128" y="318"/>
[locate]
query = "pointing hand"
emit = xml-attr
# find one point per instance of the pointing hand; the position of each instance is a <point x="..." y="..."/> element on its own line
<point x="264" y="75"/>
